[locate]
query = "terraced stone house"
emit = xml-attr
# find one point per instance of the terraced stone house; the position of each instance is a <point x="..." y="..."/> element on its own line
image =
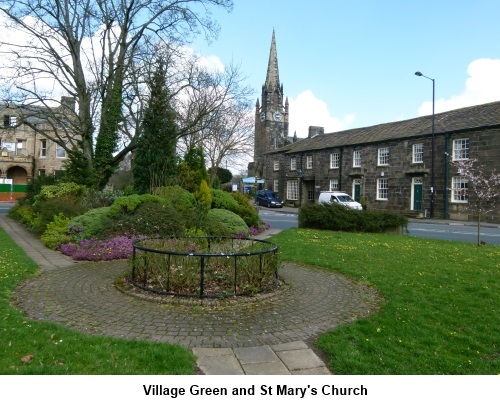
<point x="387" y="165"/>
<point x="27" y="142"/>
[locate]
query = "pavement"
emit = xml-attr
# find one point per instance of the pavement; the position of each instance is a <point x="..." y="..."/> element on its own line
<point x="271" y="335"/>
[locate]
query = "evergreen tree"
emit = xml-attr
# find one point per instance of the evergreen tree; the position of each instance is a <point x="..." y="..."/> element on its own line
<point x="155" y="159"/>
<point x="192" y="171"/>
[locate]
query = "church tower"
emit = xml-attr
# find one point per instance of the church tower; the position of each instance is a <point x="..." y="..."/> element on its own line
<point x="271" y="115"/>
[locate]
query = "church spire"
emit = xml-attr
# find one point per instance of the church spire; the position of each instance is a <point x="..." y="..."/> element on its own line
<point x="272" y="78"/>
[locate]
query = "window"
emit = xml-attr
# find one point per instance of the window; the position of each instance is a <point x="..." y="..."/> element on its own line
<point x="292" y="190"/>
<point x="276" y="165"/>
<point x="309" y="162"/>
<point x="275" y="185"/>
<point x="9" y="121"/>
<point x="418" y="153"/>
<point x="334" y="185"/>
<point x="293" y="164"/>
<point x="334" y="160"/>
<point x="460" y="149"/>
<point x="21" y="147"/>
<point x="60" y="152"/>
<point x="459" y="186"/>
<point x="356" y="159"/>
<point x="382" y="189"/>
<point x="383" y="156"/>
<point x="310" y="193"/>
<point x="41" y="172"/>
<point x="43" y="148"/>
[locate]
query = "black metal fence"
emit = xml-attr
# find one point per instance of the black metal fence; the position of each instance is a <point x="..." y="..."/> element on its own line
<point x="204" y="266"/>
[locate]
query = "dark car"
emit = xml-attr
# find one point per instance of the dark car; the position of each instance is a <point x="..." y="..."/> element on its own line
<point x="268" y="198"/>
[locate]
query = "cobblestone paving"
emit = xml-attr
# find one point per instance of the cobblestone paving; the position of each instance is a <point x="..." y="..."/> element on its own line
<point x="84" y="297"/>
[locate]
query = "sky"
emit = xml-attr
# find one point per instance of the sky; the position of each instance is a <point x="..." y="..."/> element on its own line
<point x="351" y="63"/>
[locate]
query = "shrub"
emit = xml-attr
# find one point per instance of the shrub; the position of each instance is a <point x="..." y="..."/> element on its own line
<point x="149" y="219"/>
<point x="97" y="198"/>
<point x="127" y="204"/>
<point x="35" y="186"/>
<point x="220" y="222"/>
<point x="224" y="200"/>
<point x="60" y="190"/>
<point x="57" y="232"/>
<point x="68" y="205"/>
<point x="91" y="225"/>
<point x="336" y="217"/>
<point x="246" y="211"/>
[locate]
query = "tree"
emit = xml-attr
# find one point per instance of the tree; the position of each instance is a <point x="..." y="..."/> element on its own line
<point x="227" y="133"/>
<point x="96" y="53"/>
<point x="224" y="175"/>
<point x="480" y="190"/>
<point x="155" y="158"/>
<point x="192" y="170"/>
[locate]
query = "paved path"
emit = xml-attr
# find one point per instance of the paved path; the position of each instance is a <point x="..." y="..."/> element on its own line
<point x="265" y="336"/>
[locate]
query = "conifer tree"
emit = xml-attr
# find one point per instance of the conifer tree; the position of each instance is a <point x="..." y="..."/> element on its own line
<point x="155" y="159"/>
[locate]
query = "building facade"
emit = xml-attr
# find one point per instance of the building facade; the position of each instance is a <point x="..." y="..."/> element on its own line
<point x="405" y="166"/>
<point x="28" y="146"/>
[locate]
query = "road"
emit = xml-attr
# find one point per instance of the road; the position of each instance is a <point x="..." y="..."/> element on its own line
<point x="446" y="231"/>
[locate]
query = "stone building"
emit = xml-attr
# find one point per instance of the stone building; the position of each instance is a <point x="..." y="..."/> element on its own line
<point x="27" y="146"/>
<point x="389" y="166"/>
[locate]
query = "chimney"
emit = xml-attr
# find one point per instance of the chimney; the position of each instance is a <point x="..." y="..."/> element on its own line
<point x="68" y="102"/>
<point x="314" y="131"/>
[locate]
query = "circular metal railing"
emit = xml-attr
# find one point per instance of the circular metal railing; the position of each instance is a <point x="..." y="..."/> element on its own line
<point x="204" y="266"/>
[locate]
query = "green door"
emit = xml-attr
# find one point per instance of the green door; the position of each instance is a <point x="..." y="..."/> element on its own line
<point x="357" y="190"/>
<point x="417" y="197"/>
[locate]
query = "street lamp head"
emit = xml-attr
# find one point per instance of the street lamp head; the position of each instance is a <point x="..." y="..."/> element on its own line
<point x="418" y="74"/>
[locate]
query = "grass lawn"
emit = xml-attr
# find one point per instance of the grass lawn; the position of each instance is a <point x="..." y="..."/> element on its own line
<point x="441" y="302"/>
<point x="57" y="350"/>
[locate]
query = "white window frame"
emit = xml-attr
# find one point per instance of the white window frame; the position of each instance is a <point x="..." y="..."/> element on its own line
<point x="21" y="147"/>
<point x="383" y="156"/>
<point x="382" y="189"/>
<point x="459" y="186"/>
<point x="60" y="152"/>
<point x="461" y="149"/>
<point x="276" y="165"/>
<point x="418" y="153"/>
<point x="292" y="190"/>
<point x="309" y="162"/>
<point x="43" y="148"/>
<point x="276" y="184"/>
<point x="334" y="184"/>
<point x="356" y="158"/>
<point x="334" y="160"/>
<point x="293" y="163"/>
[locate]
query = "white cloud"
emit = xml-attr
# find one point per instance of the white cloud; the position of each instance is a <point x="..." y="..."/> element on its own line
<point x="482" y="86"/>
<point x="306" y="110"/>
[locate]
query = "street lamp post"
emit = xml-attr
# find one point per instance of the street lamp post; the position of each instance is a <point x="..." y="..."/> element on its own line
<point x="432" y="144"/>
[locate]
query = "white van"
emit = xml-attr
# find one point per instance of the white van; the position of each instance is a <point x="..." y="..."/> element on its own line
<point x="330" y="197"/>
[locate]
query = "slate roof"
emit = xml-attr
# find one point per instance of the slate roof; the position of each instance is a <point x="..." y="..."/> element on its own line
<point x="460" y="120"/>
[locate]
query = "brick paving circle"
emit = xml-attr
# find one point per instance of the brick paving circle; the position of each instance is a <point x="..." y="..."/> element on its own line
<point x="84" y="298"/>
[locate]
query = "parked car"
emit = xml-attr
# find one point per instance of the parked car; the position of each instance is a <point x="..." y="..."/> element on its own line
<point x="268" y="198"/>
<point x="331" y="197"/>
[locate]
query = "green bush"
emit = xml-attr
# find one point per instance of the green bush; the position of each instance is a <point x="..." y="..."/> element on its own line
<point x="246" y="211"/>
<point x="127" y="204"/>
<point x="60" y="190"/>
<point x="57" y="232"/>
<point x="35" y="186"/>
<point x="46" y="210"/>
<point x="149" y="219"/>
<point x="220" y="222"/>
<point x="185" y="202"/>
<point x="336" y="217"/>
<point x="94" y="224"/>
<point x="224" y="200"/>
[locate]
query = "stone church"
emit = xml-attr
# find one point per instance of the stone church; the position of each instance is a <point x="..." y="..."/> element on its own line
<point x="404" y="166"/>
